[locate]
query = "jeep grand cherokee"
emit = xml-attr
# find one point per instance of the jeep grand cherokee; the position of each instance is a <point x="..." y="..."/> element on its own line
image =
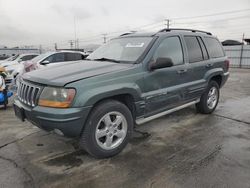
<point x="130" y="80"/>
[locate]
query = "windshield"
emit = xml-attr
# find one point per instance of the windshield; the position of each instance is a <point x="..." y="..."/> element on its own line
<point x="13" y="58"/>
<point x="126" y="50"/>
<point x="40" y="57"/>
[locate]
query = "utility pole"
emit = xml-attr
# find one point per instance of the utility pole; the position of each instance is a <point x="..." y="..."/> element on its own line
<point x="241" y="51"/>
<point x="75" y="30"/>
<point x="40" y="49"/>
<point x="104" y="38"/>
<point x="77" y="43"/>
<point x="167" y="23"/>
<point x="71" y="44"/>
<point x="56" y="46"/>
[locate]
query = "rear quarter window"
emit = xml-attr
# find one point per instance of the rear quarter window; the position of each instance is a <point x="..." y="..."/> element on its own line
<point x="74" y="56"/>
<point x="214" y="47"/>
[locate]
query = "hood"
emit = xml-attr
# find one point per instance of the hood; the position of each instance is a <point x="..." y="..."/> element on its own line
<point x="60" y="75"/>
<point x="13" y="66"/>
<point x="9" y="63"/>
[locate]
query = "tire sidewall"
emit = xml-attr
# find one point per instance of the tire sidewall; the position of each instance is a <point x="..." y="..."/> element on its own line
<point x="205" y="97"/>
<point x="90" y="128"/>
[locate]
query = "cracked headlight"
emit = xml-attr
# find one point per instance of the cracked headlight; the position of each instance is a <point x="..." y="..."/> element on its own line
<point x="56" y="97"/>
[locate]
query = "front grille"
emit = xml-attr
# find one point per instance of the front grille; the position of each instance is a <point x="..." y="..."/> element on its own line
<point x="28" y="94"/>
<point x="8" y="81"/>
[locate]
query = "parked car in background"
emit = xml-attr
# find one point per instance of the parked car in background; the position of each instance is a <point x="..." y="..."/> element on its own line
<point x="18" y="59"/>
<point x="3" y="57"/>
<point x="12" y="58"/>
<point x="132" y="79"/>
<point x="15" y="66"/>
<point x="53" y="58"/>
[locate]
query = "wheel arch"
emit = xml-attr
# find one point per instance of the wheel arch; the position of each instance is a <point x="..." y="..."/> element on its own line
<point x="215" y="74"/>
<point x="217" y="79"/>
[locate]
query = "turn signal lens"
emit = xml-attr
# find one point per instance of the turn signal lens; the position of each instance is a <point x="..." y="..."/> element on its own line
<point x="56" y="97"/>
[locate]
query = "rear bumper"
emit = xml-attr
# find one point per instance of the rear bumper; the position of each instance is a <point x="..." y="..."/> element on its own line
<point x="224" y="78"/>
<point x="69" y="121"/>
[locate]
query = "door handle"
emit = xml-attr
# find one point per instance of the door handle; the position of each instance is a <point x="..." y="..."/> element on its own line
<point x="182" y="71"/>
<point x="209" y="65"/>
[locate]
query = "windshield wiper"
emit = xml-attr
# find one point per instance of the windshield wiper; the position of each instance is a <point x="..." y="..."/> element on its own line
<point x="106" y="59"/>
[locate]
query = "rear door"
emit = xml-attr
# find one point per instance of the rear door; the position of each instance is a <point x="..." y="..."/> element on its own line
<point x="198" y="59"/>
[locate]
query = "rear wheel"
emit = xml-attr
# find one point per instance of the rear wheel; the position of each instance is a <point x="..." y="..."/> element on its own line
<point x="5" y="105"/>
<point x="209" y="99"/>
<point x="107" y="130"/>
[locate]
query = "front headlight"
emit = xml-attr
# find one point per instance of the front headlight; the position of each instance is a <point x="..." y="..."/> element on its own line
<point x="56" y="97"/>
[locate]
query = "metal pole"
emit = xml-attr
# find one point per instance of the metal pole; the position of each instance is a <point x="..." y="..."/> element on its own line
<point x="241" y="51"/>
<point x="75" y="30"/>
<point x="167" y="23"/>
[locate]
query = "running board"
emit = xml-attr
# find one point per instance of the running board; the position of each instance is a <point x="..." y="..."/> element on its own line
<point x="144" y="120"/>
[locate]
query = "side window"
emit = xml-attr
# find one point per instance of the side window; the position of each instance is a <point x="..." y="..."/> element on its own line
<point x="73" y="56"/>
<point x="58" y="57"/>
<point x="49" y="59"/>
<point x="55" y="58"/>
<point x="204" y="50"/>
<point x="27" y="57"/>
<point x="78" y="57"/>
<point x="194" y="49"/>
<point x="170" y="48"/>
<point x="214" y="47"/>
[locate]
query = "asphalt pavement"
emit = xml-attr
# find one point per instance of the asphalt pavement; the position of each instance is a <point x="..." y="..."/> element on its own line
<point x="183" y="149"/>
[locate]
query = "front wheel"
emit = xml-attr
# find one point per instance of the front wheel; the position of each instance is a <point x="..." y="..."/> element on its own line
<point x="209" y="99"/>
<point x="107" y="130"/>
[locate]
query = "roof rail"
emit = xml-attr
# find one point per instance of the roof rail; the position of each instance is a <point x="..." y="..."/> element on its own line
<point x="178" y="29"/>
<point x="128" y="33"/>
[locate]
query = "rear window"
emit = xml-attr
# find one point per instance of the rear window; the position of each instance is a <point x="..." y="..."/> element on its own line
<point x="194" y="49"/>
<point x="214" y="47"/>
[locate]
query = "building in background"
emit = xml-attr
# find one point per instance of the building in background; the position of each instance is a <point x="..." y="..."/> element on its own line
<point x="231" y="43"/>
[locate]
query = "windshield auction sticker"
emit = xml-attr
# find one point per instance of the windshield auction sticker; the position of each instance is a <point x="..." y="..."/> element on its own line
<point x="135" y="45"/>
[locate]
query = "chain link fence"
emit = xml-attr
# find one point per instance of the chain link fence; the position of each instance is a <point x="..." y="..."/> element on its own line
<point x="239" y="56"/>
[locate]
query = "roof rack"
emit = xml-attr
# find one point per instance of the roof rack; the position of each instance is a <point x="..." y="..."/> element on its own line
<point x="128" y="33"/>
<point x="178" y="29"/>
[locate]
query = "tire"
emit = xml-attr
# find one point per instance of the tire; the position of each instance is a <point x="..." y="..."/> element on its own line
<point x="6" y="101"/>
<point x="5" y="106"/>
<point x="101" y="136"/>
<point x="206" y="106"/>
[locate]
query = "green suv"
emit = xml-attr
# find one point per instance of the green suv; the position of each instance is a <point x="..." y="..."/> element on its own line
<point x="132" y="79"/>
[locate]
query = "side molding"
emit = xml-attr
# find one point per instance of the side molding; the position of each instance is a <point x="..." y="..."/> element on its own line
<point x="144" y="120"/>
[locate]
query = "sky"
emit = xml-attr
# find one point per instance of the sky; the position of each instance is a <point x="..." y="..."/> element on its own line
<point x="45" y="22"/>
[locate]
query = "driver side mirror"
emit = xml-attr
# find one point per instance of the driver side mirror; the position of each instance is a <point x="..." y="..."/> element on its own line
<point x="45" y="62"/>
<point x="161" y="62"/>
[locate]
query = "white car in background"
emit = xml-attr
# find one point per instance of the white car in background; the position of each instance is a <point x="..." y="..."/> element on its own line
<point x="11" y="58"/>
<point x="18" y="59"/>
<point x="52" y="59"/>
<point x="15" y="66"/>
<point x="41" y="61"/>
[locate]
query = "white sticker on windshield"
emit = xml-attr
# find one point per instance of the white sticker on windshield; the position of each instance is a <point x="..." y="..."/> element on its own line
<point x="135" y="45"/>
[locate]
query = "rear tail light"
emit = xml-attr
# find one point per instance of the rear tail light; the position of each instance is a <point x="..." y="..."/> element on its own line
<point x="227" y="64"/>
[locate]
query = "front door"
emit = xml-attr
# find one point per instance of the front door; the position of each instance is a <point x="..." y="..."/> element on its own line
<point x="164" y="88"/>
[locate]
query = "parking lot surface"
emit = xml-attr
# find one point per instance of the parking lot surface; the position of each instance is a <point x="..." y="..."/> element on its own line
<point x="183" y="149"/>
